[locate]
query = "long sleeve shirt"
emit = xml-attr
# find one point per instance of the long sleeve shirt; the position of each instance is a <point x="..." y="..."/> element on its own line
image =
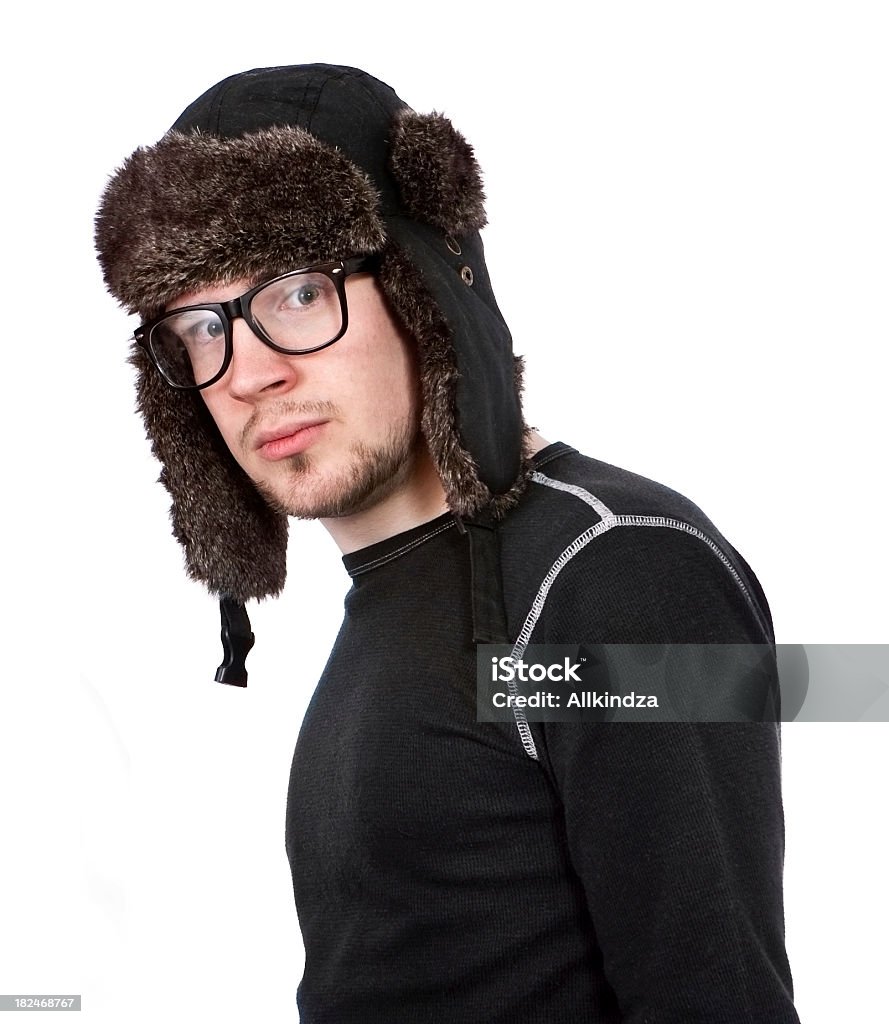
<point x="448" y="869"/>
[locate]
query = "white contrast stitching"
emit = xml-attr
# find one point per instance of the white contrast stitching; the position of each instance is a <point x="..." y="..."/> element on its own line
<point x="527" y="739"/>
<point x="367" y="566"/>
<point x="531" y="621"/>
<point x="608" y="522"/>
<point x="600" y="506"/>
<point x="521" y="722"/>
<point x="577" y="545"/>
<point x="677" y="524"/>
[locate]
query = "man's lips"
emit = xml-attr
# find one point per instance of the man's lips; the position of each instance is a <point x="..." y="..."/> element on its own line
<point x="288" y="438"/>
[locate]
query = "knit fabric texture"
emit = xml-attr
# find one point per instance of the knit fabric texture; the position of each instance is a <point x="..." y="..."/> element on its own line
<point x="628" y="873"/>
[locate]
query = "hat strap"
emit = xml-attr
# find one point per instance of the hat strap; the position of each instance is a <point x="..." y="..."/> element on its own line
<point x="488" y="612"/>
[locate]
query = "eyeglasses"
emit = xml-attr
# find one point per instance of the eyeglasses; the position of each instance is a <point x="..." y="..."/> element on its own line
<point x="296" y="313"/>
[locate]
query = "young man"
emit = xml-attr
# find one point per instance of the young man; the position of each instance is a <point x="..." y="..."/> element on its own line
<point x="320" y="339"/>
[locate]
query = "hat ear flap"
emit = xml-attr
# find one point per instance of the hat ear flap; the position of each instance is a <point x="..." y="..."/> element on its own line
<point x="233" y="541"/>
<point x="437" y="174"/>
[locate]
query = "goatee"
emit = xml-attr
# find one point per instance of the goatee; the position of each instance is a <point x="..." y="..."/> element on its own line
<point x="369" y="475"/>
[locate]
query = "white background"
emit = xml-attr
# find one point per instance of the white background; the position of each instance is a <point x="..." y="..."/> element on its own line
<point x="689" y="226"/>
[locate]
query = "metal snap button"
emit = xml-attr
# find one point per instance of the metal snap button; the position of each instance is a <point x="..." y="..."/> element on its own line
<point x="466" y="274"/>
<point x="453" y="245"/>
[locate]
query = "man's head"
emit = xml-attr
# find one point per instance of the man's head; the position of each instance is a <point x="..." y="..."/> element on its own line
<point x="274" y="171"/>
<point x="322" y="428"/>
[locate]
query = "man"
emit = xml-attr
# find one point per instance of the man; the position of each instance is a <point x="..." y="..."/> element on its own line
<point x="320" y="339"/>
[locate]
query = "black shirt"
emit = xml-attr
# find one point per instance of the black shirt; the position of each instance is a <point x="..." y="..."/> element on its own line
<point x="623" y="873"/>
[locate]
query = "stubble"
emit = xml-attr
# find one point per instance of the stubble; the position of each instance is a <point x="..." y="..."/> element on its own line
<point x="369" y="475"/>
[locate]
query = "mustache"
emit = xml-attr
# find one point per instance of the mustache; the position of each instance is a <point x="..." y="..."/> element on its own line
<point x="281" y="410"/>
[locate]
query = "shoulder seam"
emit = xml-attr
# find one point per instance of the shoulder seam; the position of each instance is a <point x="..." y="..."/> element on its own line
<point x="578" y="492"/>
<point x="608" y="521"/>
<point x="613" y="520"/>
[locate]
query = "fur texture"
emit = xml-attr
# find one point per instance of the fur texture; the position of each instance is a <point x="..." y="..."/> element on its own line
<point x="233" y="542"/>
<point x="195" y="210"/>
<point x="417" y="310"/>
<point x="437" y="173"/>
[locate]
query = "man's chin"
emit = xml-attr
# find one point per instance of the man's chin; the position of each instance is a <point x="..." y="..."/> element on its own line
<point x="371" y="476"/>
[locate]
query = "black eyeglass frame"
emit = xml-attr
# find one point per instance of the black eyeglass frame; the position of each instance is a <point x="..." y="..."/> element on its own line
<point x="337" y="271"/>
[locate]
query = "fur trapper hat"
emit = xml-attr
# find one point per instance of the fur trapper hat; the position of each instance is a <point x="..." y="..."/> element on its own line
<point x="279" y="168"/>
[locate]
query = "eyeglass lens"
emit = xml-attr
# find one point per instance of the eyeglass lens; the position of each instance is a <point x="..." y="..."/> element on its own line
<point x="298" y="313"/>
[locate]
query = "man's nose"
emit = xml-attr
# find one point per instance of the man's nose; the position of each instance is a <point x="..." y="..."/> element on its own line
<point x="256" y="368"/>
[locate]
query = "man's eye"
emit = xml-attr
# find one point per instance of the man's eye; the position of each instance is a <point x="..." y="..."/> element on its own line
<point x="202" y="332"/>
<point x="304" y="295"/>
<point x="212" y="329"/>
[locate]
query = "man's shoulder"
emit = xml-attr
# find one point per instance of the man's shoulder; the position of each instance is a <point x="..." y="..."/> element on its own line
<point x="607" y="489"/>
<point x="590" y="532"/>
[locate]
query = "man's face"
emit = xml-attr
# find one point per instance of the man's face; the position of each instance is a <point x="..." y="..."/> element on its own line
<point x="329" y="433"/>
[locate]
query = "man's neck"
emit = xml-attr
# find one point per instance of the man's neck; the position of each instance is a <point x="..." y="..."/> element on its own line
<point x="417" y="500"/>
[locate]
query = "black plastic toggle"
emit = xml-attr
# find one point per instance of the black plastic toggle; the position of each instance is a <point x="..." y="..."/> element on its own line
<point x="237" y="639"/>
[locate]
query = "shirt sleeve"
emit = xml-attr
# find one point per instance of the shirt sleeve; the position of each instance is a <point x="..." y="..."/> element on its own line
<point x="676" y="830"/>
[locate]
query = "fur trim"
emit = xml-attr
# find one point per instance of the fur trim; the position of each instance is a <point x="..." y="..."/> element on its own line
<point x="437" y="173"/>
<point x="502" y="503"/>
<point x="419" y="313"/>
<point x="196" y="210"/>
<point x="415" y="308"/>
<point x="233" y="541"/>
